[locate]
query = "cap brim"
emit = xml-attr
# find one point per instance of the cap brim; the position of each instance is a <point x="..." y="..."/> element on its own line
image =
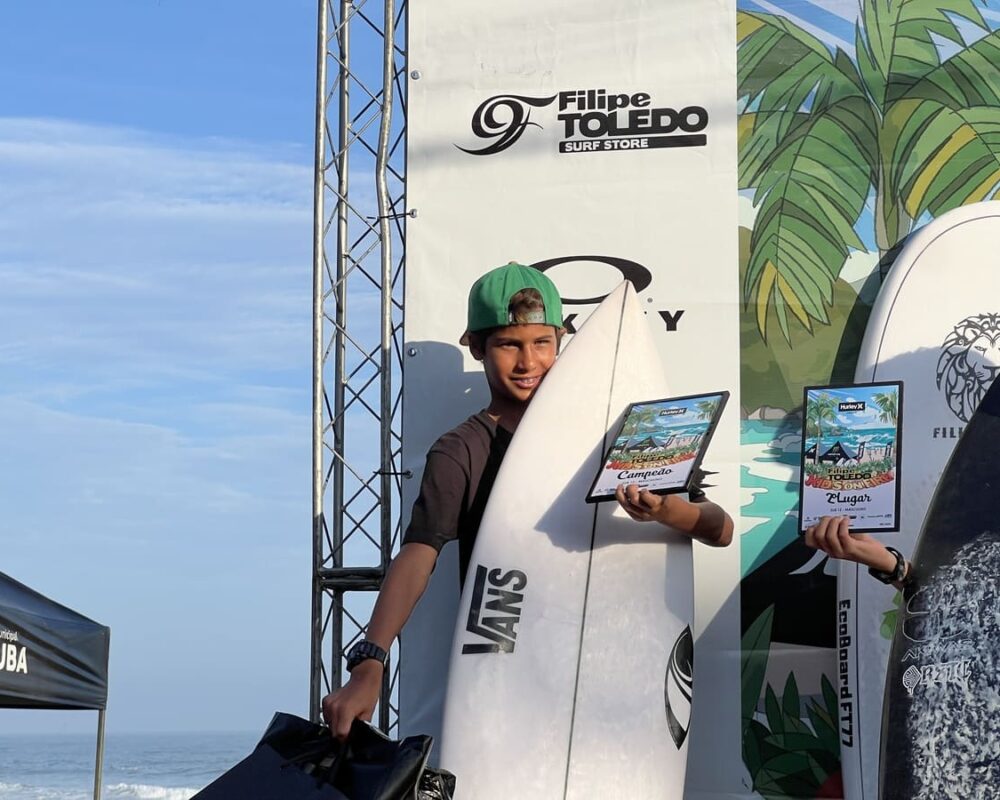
<point x="465" y="339"/>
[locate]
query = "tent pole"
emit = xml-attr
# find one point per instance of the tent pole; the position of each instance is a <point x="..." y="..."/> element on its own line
<point x="99" y="765"/>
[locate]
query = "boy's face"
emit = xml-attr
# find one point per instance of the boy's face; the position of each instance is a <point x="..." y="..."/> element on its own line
<point x="516" y="359"/>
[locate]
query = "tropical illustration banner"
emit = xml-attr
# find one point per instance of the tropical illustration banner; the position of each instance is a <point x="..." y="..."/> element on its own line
<point x="860" y="121"/>
<point x="757" y="196"/>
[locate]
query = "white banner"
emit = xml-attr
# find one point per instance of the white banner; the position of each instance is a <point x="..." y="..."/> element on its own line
<point x="594" y="141"/>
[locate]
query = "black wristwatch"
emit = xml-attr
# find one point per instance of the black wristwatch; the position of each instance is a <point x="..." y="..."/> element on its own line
<point x="364" y="650"/>
<point x="896" y="576"/>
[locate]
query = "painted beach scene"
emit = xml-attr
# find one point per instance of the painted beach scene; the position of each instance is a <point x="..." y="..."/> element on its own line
<point x="659" y="443"/>
<point x="850" y="455"/>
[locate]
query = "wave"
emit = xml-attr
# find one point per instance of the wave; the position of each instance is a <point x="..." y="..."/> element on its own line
<point x="142" y="791"/>
<point x="123" y="791"/>
<point x="23" y="791"/>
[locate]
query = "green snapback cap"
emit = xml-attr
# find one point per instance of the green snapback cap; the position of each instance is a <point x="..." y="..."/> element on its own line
<point x="489" y="299"/>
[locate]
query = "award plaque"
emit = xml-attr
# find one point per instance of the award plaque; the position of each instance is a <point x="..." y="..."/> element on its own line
<point x="850" y="455"/>
<point x="659" y="445"/>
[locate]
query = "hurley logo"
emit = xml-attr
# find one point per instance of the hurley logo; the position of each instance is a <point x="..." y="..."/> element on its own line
<point x="496" y="609"/>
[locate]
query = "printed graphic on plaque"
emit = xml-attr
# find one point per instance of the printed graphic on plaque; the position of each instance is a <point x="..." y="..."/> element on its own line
<point x="850" y="455"/>
<point x="660" y="445"/>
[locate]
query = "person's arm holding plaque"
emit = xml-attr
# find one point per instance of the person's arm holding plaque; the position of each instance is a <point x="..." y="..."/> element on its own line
<point x="655" y="459"/>
<point x="833" y="536"/>
<point x="697" y="517"/>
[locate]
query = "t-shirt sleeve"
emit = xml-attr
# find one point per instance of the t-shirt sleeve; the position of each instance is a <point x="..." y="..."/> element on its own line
<point x="436" y="511"/>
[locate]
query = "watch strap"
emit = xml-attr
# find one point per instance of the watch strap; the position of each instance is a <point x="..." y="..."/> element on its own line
<point x="896" y="576"/>
<point x="363" y="651"/>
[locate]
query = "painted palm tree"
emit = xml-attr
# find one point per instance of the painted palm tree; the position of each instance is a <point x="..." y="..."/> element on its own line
<point x="819" y="410"/>
<point x="888" y="406"/>
<point x="636" y="423"/>
<point x="821" y="133"/>
<point x="704" y="409"/>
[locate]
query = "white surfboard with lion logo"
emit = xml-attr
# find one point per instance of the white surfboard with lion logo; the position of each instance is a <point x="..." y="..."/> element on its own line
<point x="936" y="327"/>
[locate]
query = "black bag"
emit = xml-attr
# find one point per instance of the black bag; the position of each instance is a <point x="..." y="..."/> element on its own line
<point x="299" y="760"/>
<point x="436" y="784"/>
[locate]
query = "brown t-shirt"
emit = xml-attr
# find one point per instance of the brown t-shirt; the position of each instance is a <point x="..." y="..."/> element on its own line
<point x="458" y="478"/>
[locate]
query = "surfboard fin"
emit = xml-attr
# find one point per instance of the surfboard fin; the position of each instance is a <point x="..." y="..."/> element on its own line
<point x="697" y="485"/>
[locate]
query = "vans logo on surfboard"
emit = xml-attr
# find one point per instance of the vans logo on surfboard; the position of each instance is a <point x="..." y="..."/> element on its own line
<point x="497" y="598"/>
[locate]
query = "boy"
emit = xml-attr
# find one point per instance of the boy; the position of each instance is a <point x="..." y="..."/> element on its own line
<point x="514" y="328"/>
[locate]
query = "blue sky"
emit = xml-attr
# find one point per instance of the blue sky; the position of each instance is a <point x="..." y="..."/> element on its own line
<point x="227" y="69"/>
<point x="155" y="335"/>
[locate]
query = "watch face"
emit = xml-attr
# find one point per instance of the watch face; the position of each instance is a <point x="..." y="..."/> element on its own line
<point x="362" y="651"/>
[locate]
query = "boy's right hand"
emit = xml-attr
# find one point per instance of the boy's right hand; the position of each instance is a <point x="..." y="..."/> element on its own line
<point x="833" y="535"/>
<point x="355" y="700"/>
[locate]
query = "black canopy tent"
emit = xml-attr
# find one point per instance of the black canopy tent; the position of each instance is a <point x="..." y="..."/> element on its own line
<point x="52" y="657"/>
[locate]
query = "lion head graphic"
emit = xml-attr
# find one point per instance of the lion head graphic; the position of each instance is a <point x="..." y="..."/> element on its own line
<point x="969" y="361"/>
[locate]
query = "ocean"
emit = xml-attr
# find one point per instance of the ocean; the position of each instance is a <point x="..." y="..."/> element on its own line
<point x="769" y="487"/>
<point x="874" y="437"/>
<point x="148" y="766"/>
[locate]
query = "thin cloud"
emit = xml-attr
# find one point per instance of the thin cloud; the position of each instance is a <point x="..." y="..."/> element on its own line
<point x="155" y="361"/>
<point x="143" y="258"/>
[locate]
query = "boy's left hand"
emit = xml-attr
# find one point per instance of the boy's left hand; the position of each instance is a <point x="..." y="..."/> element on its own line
<point x="702" y="520"/>
<point x="644" y="506"/>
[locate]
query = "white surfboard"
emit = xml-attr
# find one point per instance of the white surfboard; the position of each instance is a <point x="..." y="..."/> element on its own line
<point x="936" y="327"/>
<point x="570" y="669"/>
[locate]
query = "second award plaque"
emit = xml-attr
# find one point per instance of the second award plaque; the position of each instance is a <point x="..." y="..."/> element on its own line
<point x="850" y="455"/>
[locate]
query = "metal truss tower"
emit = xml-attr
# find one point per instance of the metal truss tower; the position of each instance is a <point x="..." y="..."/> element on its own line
<point x="358" y="255"/>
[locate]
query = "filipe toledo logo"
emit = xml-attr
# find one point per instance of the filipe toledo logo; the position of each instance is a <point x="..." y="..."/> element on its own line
<point x="592" y="120"/>
<point x="496" y="610"/>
